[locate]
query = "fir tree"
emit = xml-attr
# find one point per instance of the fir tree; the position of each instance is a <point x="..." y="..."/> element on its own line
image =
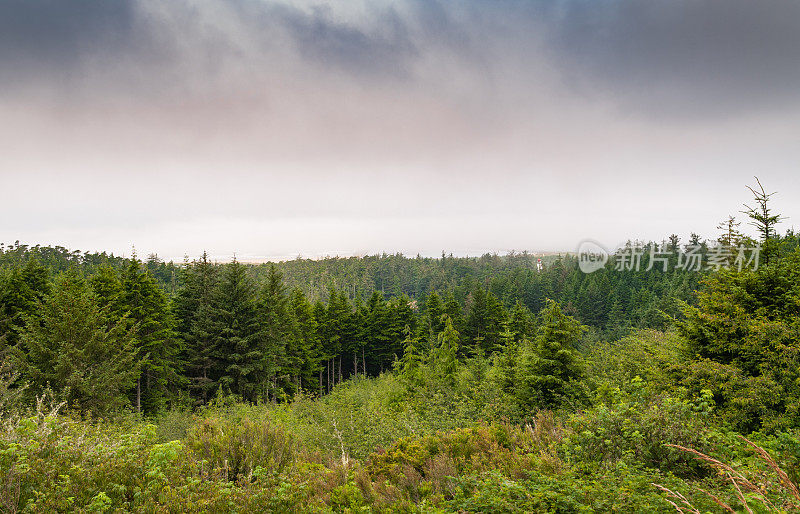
<point x="23" y="289"/>
<point x="551" y="366"/>
<point x="144" y="303"/>
<point x="307" y="341"/>
<point x="281" y="358"/>
<point x="75" y="347"/>
<point x="237" y="342"/>
<point x="444" y="356"/>
<point x="198" y="322"/>
<point x="432" y="321"/>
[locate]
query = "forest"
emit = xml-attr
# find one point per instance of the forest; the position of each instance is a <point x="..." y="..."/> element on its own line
<point x="389" y="383"/>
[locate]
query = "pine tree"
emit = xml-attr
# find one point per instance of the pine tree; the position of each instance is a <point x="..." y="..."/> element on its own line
<point x="198" y="325"/>
<point x="282" y="358"/>
<point x="432" y="319"/>
<point x="144" y="303"/>
<point x="23" y="289"/>
<point x="485" y="320"/>
<point x="444" y="356"/>
<point x="237" y="343"/>
<point x="551" y="366"/>
<point x="78" y="349"/>
<point x="107" y="288"/>
<point x="307" y="340"/>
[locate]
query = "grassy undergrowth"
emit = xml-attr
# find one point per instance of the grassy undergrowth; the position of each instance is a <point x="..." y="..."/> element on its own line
<point x="370" y="447"/>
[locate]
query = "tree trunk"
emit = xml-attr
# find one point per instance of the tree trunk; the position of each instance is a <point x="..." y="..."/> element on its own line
<point x="355" y="363"/>
<point x="139" y="394"/>
<point x="340" y="368"/>
<point x="363" y="362"/>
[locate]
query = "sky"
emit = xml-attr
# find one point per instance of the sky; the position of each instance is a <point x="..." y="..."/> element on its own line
<point x="272" y="129"/>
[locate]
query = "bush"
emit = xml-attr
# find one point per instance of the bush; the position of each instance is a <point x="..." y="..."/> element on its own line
<point x="634" y="427"/>
<point x="238" y="442"/>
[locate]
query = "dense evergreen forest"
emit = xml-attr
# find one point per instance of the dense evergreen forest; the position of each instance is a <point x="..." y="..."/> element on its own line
<point x="202" y="326"/>
<point x="388" y="383"/>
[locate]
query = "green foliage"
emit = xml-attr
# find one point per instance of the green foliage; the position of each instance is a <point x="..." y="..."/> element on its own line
<point x="391" y="384"/>
<point x="199" y="325"/>
<point x="237" y="343"/>
<point x="21" y="290"/>
<point x="620" y="489"/>
<point x="634" y="427"/>
<point x="143" y="303"/>
<point x="648" y="354"/>
<point x="77" y="349"/>
<point x="238" y="443"/>
<point x="746" y="328"/>
<point x="551" y="368"/>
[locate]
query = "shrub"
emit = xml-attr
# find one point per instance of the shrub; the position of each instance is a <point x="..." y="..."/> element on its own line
<point x="236" y="445"/>
<point x="633" y="427"/>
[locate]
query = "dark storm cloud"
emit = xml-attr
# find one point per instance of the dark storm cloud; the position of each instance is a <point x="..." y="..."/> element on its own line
<point x="59" y="42"/>
<point x="54" y="38"/>
<point x="662" y="57"/>
<point x="682" y="57"/>
<point x="384" y="51"/>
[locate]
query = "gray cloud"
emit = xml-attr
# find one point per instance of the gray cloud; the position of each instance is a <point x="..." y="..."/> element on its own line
<point x="684" y="57"/>
<point x="52" y="39"/>
<point x="665" y="58"/>
<point x="384" y="51"/>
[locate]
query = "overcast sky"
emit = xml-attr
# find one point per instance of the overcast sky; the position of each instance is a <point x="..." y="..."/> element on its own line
<point x="273" y="129"/>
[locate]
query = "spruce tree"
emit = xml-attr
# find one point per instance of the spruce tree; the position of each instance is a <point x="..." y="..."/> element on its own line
<point x="520" y="323"/>
<point x="78" y="349"/>
<point x="551" y="367"/>
<point x="379" y="332"/>
<point x="107" y="288"/>
<point x="24" y="287"/>
<point x="485" y="320"/>
<point x="764" y="219"/>
<point x="147" y="306"/>
<point x="444" y="356"/>
<point x="280" y="353"/>
<point x="432" y="321"/>
<point x="237" y="342"/>
<point x="197" y="313"/>
<point x="411" y="364"/>
<point x="507" y="359"/>
<point x="307" y="340"/>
